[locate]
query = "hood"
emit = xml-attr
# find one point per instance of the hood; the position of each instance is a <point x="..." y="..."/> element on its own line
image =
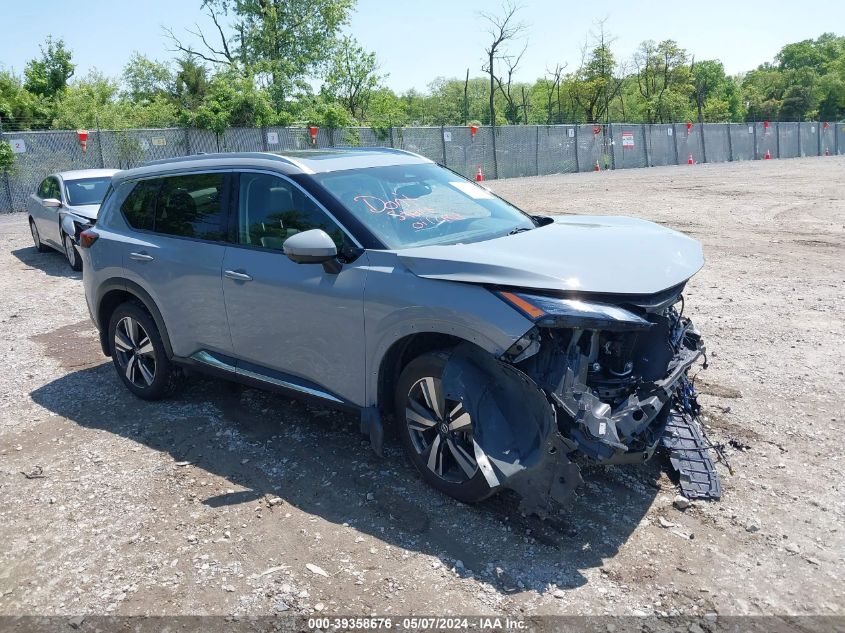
<point x="600" y="254"/>
<point x="87" y="211"/>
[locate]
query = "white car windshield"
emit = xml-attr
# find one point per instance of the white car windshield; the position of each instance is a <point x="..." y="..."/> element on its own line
<point x="86" y="190"/>
<point x="417" y="205"/>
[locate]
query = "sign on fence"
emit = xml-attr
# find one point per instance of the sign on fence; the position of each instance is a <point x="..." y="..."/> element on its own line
<point x="272" y="138"/>
<point x="159" y="141"/>
<point x="18" y="146"/>
<point x="447" y="137"/>
<point x="627" y="140"/>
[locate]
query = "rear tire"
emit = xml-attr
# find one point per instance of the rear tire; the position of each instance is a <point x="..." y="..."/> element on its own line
<point x="74" y="260"/>
<point x="138" y="353"/>
<point x="436" y="433"/>
<point x="36" y="238"/>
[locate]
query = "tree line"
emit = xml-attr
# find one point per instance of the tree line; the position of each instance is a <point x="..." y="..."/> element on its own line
<point x="259" y="63"/>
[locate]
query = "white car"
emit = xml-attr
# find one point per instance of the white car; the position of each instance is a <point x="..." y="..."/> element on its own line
<point x="66" y="204"/>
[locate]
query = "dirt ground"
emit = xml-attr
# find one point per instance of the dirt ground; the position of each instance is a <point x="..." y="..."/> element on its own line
<point x="222" y="500"/>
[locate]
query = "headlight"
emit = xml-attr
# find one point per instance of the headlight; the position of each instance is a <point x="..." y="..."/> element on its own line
<point x="573" y="313"/>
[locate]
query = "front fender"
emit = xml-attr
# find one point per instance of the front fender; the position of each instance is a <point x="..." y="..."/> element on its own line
<point x="399" y="304"/>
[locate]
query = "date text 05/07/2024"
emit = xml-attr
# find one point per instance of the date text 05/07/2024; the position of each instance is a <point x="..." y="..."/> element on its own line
<point x="484" y="623"/>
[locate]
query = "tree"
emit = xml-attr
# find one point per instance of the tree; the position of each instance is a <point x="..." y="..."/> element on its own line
<point x="145" y="79"/>
<point x="232" y="101"/>
<point x="663" y="79"/>
<point x="7" y="157"/>
<point x="48" y="75"/>
<point x="597" y="81"/>
<point x="352" y="76"/>
<point x="190" y="82"/>
<point x="283" y="42"/>
<point x="501" y="29"/>
<point x="19" y="108"/>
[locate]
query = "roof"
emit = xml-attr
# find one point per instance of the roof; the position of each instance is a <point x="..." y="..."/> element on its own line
<point x="291" y="162"/>
<point x="78" y="174"/>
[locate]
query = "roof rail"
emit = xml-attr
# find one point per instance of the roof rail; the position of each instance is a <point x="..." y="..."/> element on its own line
<point x="201" y="155"/>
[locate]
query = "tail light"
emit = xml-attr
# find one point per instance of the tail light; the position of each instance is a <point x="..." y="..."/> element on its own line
<point x="87" y="238"/>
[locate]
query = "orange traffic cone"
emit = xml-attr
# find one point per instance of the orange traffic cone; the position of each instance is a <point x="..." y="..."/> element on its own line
<point x="768" y="155"/>
<point x="478" y="175"/>
<point x="690" y="161"/>
<point x="597" y="167"/>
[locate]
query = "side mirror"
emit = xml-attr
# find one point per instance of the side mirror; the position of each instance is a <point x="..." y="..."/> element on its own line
<point x="51" y="203"/>
<point x="312" y="247"/>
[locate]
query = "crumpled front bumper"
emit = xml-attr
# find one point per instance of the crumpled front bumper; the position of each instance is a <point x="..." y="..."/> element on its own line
<point x="531" y="426"/>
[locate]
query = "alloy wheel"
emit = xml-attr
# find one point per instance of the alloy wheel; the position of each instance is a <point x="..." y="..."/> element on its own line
<point x="70" y="251"/>
<point x="440" y="431"/>
<point x="135" y="352"/>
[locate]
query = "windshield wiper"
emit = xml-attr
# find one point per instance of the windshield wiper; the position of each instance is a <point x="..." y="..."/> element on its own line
<point x="519" y="230"/>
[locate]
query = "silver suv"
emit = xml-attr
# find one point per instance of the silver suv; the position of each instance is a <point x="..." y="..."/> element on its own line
<point x="506" y="348"/>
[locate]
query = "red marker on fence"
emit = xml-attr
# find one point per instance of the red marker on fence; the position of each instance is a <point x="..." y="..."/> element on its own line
<point x="690" y="161"/>
<point x="768" y="155"/>
<point x="478" y="175"/>
<point x="473" y="129"/>
<point x="597" y="167"/>
<point x="313" y="131"/>
<point x="83" y="139"/>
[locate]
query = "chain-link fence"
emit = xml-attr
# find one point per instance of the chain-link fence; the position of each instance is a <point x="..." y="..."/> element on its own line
<point x="516" y="150"/>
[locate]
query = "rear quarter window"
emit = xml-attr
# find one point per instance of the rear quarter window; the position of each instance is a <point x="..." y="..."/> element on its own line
<point x="139" y="206"/>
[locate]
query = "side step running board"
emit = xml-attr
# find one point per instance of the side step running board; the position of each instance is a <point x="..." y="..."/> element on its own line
<point x="689" y="454"/>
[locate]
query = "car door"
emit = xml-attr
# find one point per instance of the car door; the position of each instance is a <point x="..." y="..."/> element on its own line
<point x="47" y="218"/>
<point x="175" y="253"/>
<point x="297" y="322"/>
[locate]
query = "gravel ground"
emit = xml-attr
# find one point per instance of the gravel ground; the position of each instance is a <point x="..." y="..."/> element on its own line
<point x="233" y="501"/>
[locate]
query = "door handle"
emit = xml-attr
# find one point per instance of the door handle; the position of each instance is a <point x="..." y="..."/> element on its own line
<point x="237" y="276"/>
<point x="141" y="257"/>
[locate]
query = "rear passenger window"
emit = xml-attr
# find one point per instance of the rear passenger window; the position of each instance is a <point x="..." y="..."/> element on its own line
<point x="272" y="209"/>
<point x="139" y="206"/>
<point x="183" y="206"/>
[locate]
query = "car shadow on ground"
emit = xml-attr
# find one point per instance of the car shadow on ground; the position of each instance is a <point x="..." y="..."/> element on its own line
<point x="51" y="262"/>
<point x="266" y="445"/>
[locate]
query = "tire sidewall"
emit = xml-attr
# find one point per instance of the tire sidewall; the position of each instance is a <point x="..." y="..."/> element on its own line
<point x="36" y="236"/>
<point x="432" y="364"/>
<point x="163" y="376"/>
<point x="76" y="262"/>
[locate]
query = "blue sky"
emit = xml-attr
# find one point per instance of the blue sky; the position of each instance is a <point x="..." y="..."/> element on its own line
<point x="420" y="40"/>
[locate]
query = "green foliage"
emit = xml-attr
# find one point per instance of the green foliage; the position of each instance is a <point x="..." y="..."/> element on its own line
<point x="352" y="76"/>
<point x="145" y="79"/>
<point x="232" y="101"/>
<point x="48" y="75"/>
<point x="7" y="157"/>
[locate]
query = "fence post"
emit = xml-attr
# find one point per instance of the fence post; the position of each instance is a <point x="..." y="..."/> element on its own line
<point x="537" y="151"/>
<point x="443" y="142"/>
<point x="100" y="143"/>
<point x="819" y="138"/>
<point x="264" y="145"/>
<point x="577" y="164"/>
<point x="646" y="139"/>
<point x="187" y="141"/>
<point x="391" y="136"/>
<point x="703" y="145"/>
<point x="800" y="149"/>
<point x="610" y="146"/>
<point x="675" y="140"/>
<point x="730" y="143"/>
<point x="756" y="154"/>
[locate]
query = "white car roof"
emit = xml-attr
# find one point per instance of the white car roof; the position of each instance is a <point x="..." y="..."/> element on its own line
<point x="77" y="174"/>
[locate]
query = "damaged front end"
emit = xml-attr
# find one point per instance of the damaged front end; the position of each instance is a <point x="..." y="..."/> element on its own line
<point x="601" y="380"/>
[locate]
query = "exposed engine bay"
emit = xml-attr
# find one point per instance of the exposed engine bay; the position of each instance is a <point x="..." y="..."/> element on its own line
<point x="593" y="382"/>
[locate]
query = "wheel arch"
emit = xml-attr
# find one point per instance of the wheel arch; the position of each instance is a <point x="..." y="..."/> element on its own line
<point x="113" y="293"/>
<point x="403" y="351"/>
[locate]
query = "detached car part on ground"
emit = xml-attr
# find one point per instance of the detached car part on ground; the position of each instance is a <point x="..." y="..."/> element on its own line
<point x="508" y="348"/>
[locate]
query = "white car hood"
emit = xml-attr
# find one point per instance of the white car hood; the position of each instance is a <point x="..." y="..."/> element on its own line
<point x="600" y="254"/>
<point x="87" y="211"/>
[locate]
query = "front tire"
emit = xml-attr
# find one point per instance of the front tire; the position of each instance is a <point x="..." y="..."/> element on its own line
<point x="138" y="353"/>
<point x="36" y="238"/>
<point x="73" y="258"/>
<point x="436" y="432"/>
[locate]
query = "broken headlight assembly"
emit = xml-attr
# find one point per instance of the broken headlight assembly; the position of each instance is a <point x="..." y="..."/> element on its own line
<point x="615" y="376"/>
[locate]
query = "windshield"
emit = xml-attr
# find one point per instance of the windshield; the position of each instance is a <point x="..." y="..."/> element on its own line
<point x="416" y="205"/>
<point x="86" y="190"/>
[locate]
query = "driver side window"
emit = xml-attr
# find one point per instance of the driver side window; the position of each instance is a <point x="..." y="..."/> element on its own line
<point x="271" y="209"/>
